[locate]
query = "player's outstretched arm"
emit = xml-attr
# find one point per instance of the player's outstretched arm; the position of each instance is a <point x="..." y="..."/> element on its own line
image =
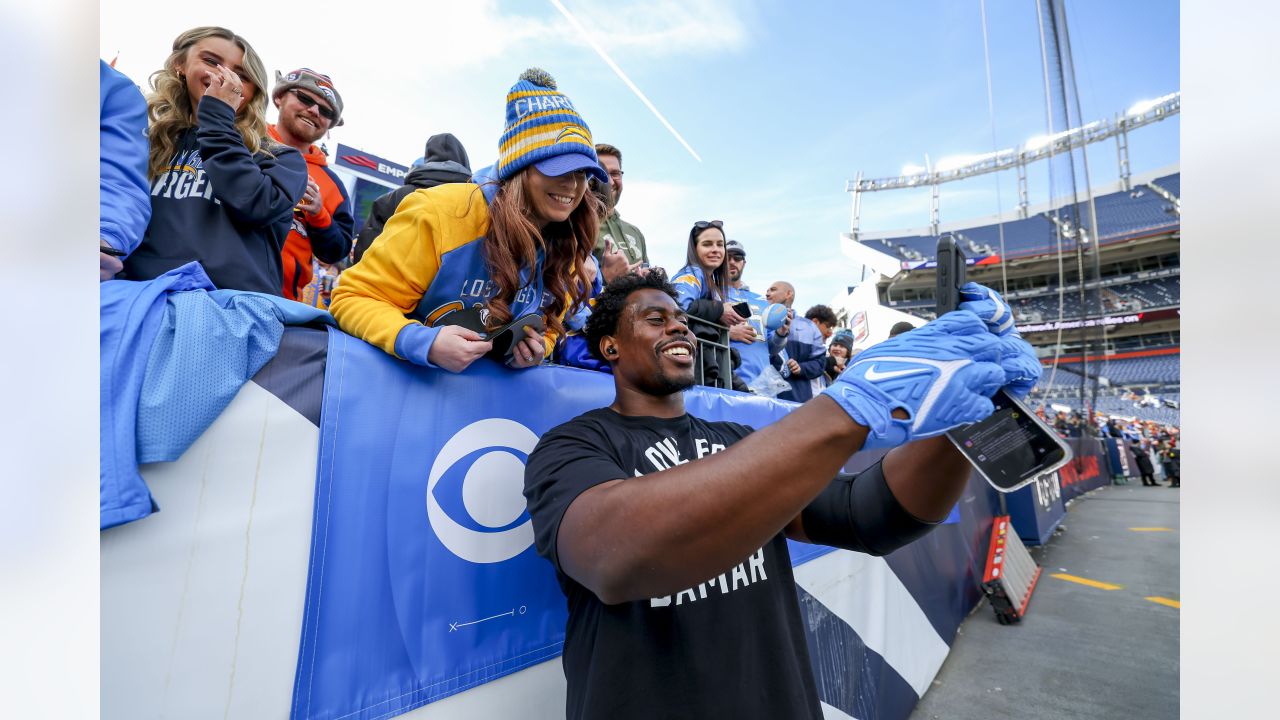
<point x="657" y="534"/>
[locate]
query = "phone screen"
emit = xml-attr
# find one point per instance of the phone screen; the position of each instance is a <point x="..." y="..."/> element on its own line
<point x="1012" y="447"/>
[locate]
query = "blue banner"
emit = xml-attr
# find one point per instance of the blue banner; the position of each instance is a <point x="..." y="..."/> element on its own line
<point x="424" y="581"/>
<point x="1118" y="458"/>
<point x="1037" y="509"/>
<point x="369" y="164"/>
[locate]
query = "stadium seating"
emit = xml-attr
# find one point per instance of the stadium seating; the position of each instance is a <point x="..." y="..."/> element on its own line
<point x="1129" y="297"/>
<point x="1111" y="401"/>
<point x="1064" y="379"/>
<point x="1153" y="371"/>
<point x="1114" y="405"/>
<point x="1158" y="370"/>
<point x="1151" y="294"/>
<point x="1172" y="183"/>
<point x="1121" y="215"/>
<point x="1137" y="212"/>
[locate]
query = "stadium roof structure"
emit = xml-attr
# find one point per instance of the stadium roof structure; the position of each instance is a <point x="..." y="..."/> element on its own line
<point x="1042" y="147"/>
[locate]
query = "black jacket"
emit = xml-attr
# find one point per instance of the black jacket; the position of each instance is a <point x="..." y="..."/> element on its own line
<point x="1143" y="460"/>
<point x="445" y="161"/>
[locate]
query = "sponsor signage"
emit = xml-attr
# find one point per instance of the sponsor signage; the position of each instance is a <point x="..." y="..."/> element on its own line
<point x="926" y="264"/>
<point x="1130" y="319"/>
<point x="371" y="165"/>
<point x="859" y="326"/>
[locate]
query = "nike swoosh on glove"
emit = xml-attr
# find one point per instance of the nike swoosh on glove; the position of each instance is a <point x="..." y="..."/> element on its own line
<point x="1021" y="366"/>
<point x="942" y="374"/>
<point x="988" y="305"/>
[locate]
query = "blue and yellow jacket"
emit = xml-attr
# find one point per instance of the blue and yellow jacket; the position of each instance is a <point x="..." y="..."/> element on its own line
<point x="427" y="262"/>
<point x="696" y="295"/>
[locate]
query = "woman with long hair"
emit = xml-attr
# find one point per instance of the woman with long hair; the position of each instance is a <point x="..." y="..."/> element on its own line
<point x="222" y="191"/>
<point x="513" y="244"/>
<point x="702" y="285"/>
<point x="702" y="289"/>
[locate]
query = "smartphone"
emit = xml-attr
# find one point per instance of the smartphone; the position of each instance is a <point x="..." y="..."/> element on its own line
<point x="950" y="274"/>
<point x="743" y="309"/>
<point x="1013" y="446"/>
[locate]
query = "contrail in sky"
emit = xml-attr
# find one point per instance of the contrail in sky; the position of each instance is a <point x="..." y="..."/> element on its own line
<point x="609" y="61"/>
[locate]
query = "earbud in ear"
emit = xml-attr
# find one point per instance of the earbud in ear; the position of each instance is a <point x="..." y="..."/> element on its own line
<point x="611" y="350"/>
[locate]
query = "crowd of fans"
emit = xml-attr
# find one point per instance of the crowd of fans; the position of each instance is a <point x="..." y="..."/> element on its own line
<point x="1150" y="443"/>
<point x="193" y="171"/>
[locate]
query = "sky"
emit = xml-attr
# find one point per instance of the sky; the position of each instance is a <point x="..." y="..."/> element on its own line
<point x="781" y="102"/>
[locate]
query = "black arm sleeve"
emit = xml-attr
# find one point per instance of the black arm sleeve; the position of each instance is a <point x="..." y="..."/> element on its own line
<point x="859" y="512"/>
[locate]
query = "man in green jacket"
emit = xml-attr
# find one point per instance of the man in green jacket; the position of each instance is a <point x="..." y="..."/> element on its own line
<point x="625" y="237"/>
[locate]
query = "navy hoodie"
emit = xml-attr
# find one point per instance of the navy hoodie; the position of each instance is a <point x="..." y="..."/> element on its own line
<point x="220" y="205"/>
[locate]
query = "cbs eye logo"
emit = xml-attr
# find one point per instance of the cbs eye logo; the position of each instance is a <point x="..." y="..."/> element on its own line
<point x="482" y="467"/>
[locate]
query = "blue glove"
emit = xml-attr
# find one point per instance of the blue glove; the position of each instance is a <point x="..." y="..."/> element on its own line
<point x="988" y="305"/>
<point x="942" y="374"/>
<point x="1021" y="367"/>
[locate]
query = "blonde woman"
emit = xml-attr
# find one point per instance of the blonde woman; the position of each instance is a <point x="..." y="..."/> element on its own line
<point x="222" y="191"/>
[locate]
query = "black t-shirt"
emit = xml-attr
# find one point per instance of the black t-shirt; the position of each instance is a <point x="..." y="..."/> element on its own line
<point x="730" y="647"/>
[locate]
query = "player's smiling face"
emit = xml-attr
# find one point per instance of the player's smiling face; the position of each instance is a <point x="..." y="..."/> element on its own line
<point x="655" y="349"/>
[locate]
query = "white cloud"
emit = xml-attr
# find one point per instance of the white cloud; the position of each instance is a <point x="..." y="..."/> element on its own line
<point x="666" y="27"/>
<point x="406" y="70"/>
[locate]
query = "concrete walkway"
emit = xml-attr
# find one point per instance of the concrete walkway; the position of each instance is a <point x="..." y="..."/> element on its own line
<point x="1084" y="650"/>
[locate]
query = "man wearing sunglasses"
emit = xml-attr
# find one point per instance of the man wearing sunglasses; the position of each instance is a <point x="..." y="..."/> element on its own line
<point x="323" y="224"/>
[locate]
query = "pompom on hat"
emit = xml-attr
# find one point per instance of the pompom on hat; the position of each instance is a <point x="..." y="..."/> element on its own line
<point x="544" y="130"/>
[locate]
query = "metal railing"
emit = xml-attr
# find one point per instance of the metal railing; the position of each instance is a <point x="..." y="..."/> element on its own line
<point x="720" y="346"/>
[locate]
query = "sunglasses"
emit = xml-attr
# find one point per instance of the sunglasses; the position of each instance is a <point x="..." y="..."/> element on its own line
<point x="704" y="224"/>
<point x="308" y="101"/>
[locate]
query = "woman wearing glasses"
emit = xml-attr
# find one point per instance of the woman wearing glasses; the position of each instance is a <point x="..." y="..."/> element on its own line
<point x="702" y="289"/>
<point x="222" y="191"/>
<point x="514" y="243"/>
